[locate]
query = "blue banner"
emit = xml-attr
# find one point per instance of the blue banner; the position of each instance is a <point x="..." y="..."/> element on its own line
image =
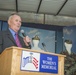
<point x="48" y="63"/>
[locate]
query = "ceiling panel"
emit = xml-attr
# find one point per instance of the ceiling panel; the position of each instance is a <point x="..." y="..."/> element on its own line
<point x="31" y="17"/>
<point x="5" y="14"/>
<point x="69" y="9"/>
<point x="51" y="6"/>
<point x="28" y="5"/>
<point x="36" y="11"/>
<point x="7" y="4"/>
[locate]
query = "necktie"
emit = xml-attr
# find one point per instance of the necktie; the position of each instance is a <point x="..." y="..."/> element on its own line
<point x="17" y="41"/>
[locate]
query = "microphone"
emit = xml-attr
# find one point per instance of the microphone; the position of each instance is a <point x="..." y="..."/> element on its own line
<point x="22" y="31"/>
<point x="44" y="46"/>
<point x="24" y="35"/>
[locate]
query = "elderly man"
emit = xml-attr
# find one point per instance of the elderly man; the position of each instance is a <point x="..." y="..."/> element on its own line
<point x="10" y="37"/>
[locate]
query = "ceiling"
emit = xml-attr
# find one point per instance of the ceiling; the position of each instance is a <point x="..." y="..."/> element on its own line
<point x="52" y="12"/>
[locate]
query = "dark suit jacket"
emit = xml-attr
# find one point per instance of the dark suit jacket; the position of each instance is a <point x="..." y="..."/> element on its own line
<point x="7" y="40"/>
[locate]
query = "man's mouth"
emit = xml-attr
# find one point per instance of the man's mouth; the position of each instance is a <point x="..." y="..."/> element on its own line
<point x="18" y="26"/>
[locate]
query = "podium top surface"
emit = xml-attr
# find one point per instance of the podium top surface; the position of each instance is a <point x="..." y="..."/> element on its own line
<point x="38" y="51"/>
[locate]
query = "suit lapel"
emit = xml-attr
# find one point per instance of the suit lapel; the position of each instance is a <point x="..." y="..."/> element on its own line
<point x="10" y="37"/>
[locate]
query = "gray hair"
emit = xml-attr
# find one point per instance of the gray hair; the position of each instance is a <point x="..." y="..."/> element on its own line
<point x="13" y="15"/>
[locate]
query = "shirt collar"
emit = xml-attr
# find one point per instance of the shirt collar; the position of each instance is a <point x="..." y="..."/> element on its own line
<point x="12" y="31"/>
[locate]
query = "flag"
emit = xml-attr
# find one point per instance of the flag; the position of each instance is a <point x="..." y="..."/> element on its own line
<point x="35" y="62"/>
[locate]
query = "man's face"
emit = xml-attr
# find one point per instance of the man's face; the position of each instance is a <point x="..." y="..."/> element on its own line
<point x="15" y="23"/>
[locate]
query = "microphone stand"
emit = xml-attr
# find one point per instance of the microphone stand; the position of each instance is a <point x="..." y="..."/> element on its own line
<point x="44" y="46"/>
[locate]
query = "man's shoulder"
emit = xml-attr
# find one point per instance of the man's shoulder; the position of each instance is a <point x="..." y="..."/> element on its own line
<point x="3" y="33"/>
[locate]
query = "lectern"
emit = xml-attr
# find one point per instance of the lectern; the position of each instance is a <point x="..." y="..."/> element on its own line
<point x="11" y="60"/>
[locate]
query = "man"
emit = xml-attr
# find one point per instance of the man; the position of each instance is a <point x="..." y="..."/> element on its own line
<point x="10" y="37"/>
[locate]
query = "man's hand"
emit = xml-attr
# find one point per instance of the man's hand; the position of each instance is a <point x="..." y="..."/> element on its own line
<point x="27" y="40"/>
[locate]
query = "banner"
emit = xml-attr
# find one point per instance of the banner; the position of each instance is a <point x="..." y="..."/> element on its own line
<point x="39" y="62"/>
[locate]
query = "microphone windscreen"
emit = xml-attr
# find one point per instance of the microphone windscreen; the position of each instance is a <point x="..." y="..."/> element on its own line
<point x="22" y="31"/>
<point x="43" y="44"/>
